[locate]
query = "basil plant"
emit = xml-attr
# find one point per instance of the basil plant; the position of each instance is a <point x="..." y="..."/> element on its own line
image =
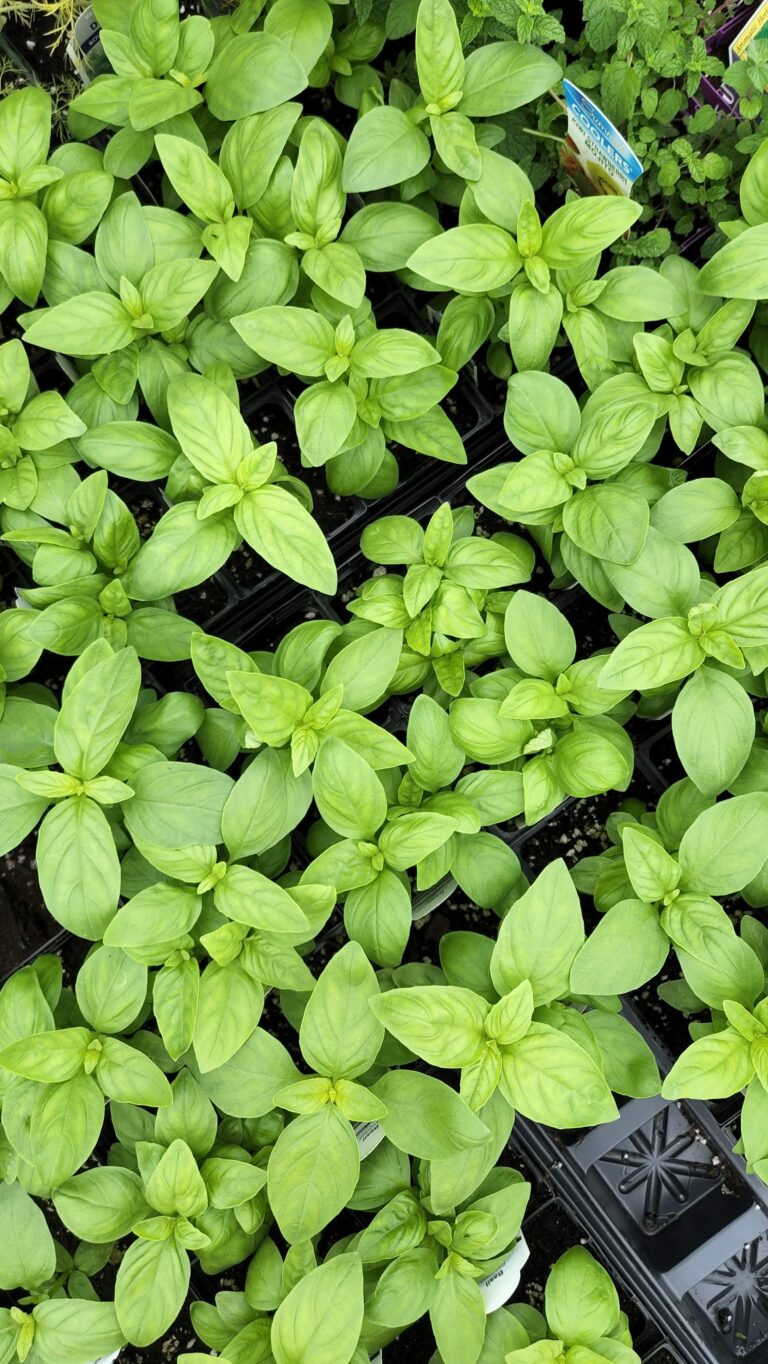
<point x="46" y="201"/>
<point x="127" y="305"/>
<point x="656" y="888"/>
<point x="81" y="589"/>
<point x="583" y="485"/>
<point x="449" y="601"/>
<point x="36" y="430"/>
<point x="389" y="145"/>
<point x="582" y="1316"/>
<point x="522" y="1035"/>
<point x="158" y="61"/>
<point x="55" y="1078"/>
<point x="537" y="267"/>
<point x="58" y="1309"/>
<point x="242" y="498"/>
<point x="316" y="684"/>
<point x="435" y="1259"/>
<point x="548" y="715"/>
<point x="728" y="1053"/>
<point x="180" y="1187"/>
<point x="371" y="386"/>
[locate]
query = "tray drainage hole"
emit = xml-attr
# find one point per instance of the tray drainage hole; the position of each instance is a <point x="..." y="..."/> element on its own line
<point x="724" y="1318"/>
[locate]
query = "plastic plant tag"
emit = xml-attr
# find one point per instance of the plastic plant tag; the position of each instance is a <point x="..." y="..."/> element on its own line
<point x="108" y="1359"/>
<point x="501" y="1284"/>
<point x="369" y="1136"/>
<point x="84" y="47"/>
<point x="378" y="1358"/>
<point x="755" y="27"/>
<point x="595" y="155"/>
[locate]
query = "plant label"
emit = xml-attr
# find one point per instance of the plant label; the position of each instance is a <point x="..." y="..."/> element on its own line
<point x="501" y="1284"/>
<point x="595" y="155"/>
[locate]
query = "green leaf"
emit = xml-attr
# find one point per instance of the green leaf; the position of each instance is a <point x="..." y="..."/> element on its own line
<point x="150" y="1289"/>
<point x="540" y="936"/>
<point x="324" y="414"/>
<point x="608" y="521"/>
<point x="55" y="1127"/>
<point x="628" y="1063"/>
<point x="439" y="56"/>
<point x="96" y="713"/>
<point x="90" y="324"/>
<point x="364" y="667"/>
<point x="27" y="1250"/>
<point x="251" y="73"/>
<point x="473" y="260"/>
<point x="101" y="1205"/>
<point x="499" y="77"/>
<point x="64" y="1330"/>
<point x="385" y="235"/>
<point x="197" y="180"/>
<point x="653" y="656"/>
<point x="303" y="1329"/>
<point x="425" y="1117"/>
<point x="627" y="948"/>
<point x="725" y="846"/>
<point x="340" y="1035"/>
<point x="176" y="804"/>
<point x="349" y="795"/>
<point x="304" y="27"/>
<point x="583" y="228"/>
<point x="294" y="338"/>
<point x="538" y="637"/>
<point x="266" y="803"/>
<point x="457" y="1315"/>
<point x="25" y="130"/>
<point x="443" y="1024"/>
<point x="229" y="1008"/>
<point x="23" y="244"/>
<point x="78" y="867"/>
<point x="714" y="1067"/>
<point x="312" y="1172"/>
<point x="208" y="428"/>
<point x="384" y="148"/>
<point x="128" y="1076"/>
<point x="740" y="268"/>
<point x="281" y="530"/>
<point x="550" y="1078"/>
<point x="713" y="727"/>
<point x="581" y="1302"/>
<point x="19" y="809"/>
<point x="111" y="989"/>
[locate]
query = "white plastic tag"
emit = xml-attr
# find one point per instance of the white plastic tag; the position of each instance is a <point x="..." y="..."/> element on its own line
<point x="501" y="1284"/>
<point x="369" y="1136"/>
<point x="84" y="39"/>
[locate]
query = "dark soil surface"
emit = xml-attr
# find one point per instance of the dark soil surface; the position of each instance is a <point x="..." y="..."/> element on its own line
<point x="179" y="1340"/>
<point x="25" y="924"/>
<point x="270" y="420"/>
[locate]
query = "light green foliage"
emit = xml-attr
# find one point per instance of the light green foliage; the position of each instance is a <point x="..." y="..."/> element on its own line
<point x="243" y="801"/>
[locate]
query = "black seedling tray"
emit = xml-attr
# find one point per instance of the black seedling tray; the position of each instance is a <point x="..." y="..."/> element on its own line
<point x="674" y="1214"/>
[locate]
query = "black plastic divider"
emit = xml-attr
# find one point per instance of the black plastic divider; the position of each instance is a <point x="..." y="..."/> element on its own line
<point x="673" y="1213"/>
